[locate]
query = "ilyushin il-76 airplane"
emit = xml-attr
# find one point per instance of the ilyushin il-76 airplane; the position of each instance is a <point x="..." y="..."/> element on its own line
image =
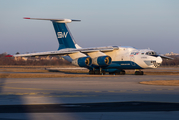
<point x="99" y="60"/>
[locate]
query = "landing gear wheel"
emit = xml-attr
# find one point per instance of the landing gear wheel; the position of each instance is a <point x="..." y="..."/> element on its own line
<point x="97" y="72"/>
<point x="117" y="73"/>
<point x="139" y="73"/>
<point x="122" y="72"/>
<point x="111" y="73"/>
<point x="91" y="72"/>
<point x="103" y="72"/>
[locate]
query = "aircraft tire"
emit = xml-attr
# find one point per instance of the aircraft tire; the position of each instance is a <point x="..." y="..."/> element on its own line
<point x="114" y="73"/>
<point x="111" y="73"/>
<point x="139" y="73"/>
<point x="118" y="73"/>
<point x="122" y="72"/>
<point x="97" y="72"/>
<point x="103" y="72"/>
<point x="91" y="72"/>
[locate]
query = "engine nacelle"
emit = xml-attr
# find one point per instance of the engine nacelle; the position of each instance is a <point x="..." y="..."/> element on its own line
<point x="102" y="61"/>
<point x="82" y="62"/>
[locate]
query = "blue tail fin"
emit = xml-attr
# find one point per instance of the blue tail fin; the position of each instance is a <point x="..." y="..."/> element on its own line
<point x="64" y="36"/>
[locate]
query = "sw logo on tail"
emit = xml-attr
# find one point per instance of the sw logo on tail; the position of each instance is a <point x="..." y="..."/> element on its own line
<point x="62" y="34"/>
<point x="99" y="60"/>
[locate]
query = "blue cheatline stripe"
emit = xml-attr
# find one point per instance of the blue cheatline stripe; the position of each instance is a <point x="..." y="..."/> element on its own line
<point x="115" y="65"/>
<point x="126" y="65"/>
<point x="64" y="36"/>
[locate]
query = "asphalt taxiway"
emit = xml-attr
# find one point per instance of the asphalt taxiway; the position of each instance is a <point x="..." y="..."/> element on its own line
<point x="96" y="98"/>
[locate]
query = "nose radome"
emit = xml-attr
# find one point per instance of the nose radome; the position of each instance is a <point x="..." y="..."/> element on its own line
<point x="159" y="60"/>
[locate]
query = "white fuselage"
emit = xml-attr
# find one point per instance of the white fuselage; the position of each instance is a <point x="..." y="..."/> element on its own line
<point x="124" y="57"/>
<point x="128" y="56"/>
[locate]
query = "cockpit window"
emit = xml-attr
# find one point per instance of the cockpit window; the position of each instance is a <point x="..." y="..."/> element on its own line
<point x="152" y="53"/>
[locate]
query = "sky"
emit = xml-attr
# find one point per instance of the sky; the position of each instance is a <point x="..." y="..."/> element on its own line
<point x="141" y="24"/>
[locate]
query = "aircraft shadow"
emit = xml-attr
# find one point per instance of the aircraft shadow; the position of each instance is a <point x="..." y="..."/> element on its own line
<point x="134" y="106"/>
<point x="66" y="72"/>
<point x="4" y="99"/>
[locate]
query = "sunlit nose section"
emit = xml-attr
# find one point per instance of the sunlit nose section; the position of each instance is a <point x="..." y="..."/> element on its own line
<point x="159" y="61"/>
<point x="154" y="63"/>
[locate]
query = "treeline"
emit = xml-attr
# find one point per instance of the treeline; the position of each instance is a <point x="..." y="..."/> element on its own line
<point x="59" y="61"/>
<point x="11" y="61"/>
<point x="174" y="62"/>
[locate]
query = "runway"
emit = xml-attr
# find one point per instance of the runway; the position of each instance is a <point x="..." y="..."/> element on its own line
<point x="112" y="93"/>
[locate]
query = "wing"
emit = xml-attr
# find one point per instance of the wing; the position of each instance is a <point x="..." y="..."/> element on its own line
<point x="70" y="51"/>
<point x="166" y="57"/>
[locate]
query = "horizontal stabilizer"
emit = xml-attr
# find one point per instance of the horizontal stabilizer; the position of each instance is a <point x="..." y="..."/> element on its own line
<point x="62" y="31"/>
<point x="54" y="20"/>
<point x="9" y="56"/>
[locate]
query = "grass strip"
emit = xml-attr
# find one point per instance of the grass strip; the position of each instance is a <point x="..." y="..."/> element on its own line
<point x="162" y="82"/>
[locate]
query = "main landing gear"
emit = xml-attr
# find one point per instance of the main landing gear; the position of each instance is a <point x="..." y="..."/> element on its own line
<point x="102" y="72"/>
<point x="97" y="72"/>
<point x="121" y="72"/>
<point x="118" y="72"/>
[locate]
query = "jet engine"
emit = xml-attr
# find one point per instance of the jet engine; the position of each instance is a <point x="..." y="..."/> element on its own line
<point x="102" y="61"/>
<point x="82" y="62"/>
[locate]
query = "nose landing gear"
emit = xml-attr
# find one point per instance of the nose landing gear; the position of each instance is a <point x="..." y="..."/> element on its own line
<point x="139" y="72"/>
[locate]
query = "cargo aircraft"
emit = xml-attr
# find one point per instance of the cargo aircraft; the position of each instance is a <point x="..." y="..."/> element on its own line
<point x="99" y="60"/>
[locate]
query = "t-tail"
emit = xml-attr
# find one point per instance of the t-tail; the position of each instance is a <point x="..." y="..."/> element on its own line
<point x="64" y="36"/>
